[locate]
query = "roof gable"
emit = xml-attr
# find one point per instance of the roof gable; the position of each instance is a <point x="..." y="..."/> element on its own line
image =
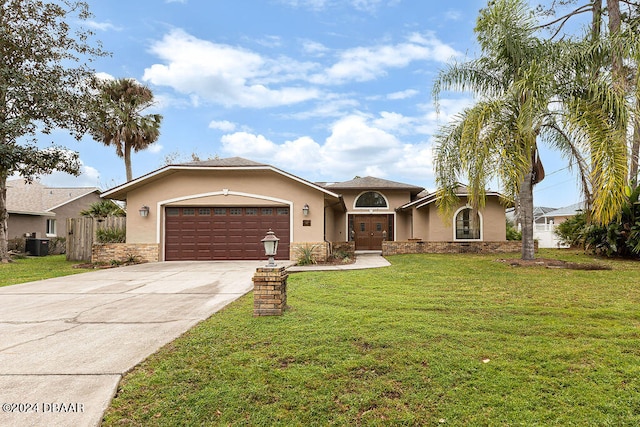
<point x="373" y="183"/>
<point x="231" y="163"/>
<point x="429" y="198"/>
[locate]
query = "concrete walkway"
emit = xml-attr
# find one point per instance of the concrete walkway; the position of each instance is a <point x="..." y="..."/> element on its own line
<point x="65" y="343"/>
<point x="367" y="259"/>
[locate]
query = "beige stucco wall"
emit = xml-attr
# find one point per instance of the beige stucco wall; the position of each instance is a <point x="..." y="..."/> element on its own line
<point x="18" y="225"/>
<point x="224" y="188"/>
<point x="429" y="225"/>
<point x="72" y="210"/>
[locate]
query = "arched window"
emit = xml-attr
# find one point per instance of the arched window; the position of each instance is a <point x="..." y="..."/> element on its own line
<point x="468" y="224"/>
<point x="371" y="199"/>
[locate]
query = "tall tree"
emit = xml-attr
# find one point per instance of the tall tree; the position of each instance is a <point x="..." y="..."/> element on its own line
<point x="614" y="48"/>
<point x="118" y="119"/>
<point x="43" y="76"/>
<point x="516" y="82"/>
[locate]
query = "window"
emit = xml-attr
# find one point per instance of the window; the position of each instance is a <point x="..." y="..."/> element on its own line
<point x="371" y="199"/>
<point x="467" y="224"/>
<point x="188" y="212"/>
<point x="204" y="212"/>
<point x="51" y="227"/>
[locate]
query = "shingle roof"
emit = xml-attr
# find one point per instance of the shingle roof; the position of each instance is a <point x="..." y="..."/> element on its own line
<point x="226" y="162"/>
<point x="37" y="198"/>
<point x="373" y="183"/>
<point x="566" y="211"/>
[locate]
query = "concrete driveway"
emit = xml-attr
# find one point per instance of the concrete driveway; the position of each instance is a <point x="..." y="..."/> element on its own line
<point x="66" y="342"/>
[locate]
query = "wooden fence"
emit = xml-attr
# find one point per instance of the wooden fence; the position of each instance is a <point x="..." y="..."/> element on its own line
<point x="81" y="233"/>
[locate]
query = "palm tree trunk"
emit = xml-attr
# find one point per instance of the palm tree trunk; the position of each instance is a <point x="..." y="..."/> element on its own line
<point x="525" y="197"/>
<point x="127" y="161"/>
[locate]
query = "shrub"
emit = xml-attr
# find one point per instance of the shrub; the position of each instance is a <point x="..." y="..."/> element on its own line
<point x="512" y="231"/>
<point x="571" y="231"/>
<point x="111" y="235"/>
<point x="306" y="255"/>
<point x="57" y="245"/>
<point x="620" y="237"/>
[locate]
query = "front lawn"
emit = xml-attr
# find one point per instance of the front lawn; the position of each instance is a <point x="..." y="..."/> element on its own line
<point x="36" y="268"/>
<point x="432" y="340"/>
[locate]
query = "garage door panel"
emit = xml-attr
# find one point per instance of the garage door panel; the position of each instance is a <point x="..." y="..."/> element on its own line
<point x="224" y="233"/>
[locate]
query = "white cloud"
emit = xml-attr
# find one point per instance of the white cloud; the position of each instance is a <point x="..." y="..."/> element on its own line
<point x="104" y="76"/>
<point x="368" y="63"/>
<point x="317" y="5"/>
<point x="245" y="144"/>
<point x="224" y="74"/>
<point x="89" y="177"/>
<point x="102" y="26"/>
<point x="155" y="148"/>
<point x="223" y="125"/>
<point x="314" y="48"/>
<point x="453" y="15"/>
<point x="403" y="94"/>
<point x="394" y="122"/>
<point x="355" y="146"/>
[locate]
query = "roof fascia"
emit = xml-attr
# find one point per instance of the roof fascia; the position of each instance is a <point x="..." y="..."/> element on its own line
<point x="74" y="199"/>
<point x="31" y="213"/>
<point x="169" y="168"/>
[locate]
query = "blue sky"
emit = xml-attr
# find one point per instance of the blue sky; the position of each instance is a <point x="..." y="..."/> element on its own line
<point x="324" y="89"/>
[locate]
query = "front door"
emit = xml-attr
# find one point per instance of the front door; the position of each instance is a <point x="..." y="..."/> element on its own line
<point x="370" y="231"/>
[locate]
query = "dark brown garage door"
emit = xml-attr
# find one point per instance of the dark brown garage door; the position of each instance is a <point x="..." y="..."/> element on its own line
<point x="223" y="233"/>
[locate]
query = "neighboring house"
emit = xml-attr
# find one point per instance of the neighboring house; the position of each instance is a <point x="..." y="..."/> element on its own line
<point x="35" y="208"/>
<point x="221" y="209"/>
<point x="544" y="229"/>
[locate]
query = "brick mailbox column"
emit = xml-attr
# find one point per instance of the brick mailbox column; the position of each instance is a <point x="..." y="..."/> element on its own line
<point x="269" y="291"/>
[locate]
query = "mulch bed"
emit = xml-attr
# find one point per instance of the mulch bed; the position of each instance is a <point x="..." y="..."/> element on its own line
<point x="553" y="263"/>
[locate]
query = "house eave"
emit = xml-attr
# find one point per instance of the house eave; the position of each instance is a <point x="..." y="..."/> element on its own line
<point x="31" y="213"/>
<point x="120" y="192"/>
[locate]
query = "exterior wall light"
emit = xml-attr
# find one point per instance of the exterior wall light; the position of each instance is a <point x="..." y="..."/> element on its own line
<point x="144" y="211"/>
<point x="305" y="210"/>
<point x="270" y="243"/>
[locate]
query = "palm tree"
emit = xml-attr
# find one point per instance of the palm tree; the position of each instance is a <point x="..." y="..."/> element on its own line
<point x="521" y="105"/>
<point x="118" y="120"/>
<point x="103" y="209"/>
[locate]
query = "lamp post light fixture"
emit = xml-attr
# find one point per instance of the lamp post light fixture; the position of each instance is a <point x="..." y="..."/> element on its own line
<point x="144" y="211"/>
<point x="305" y="209"/>
<point x="270" y="243"/>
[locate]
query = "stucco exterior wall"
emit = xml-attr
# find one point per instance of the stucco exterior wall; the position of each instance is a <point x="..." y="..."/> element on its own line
<point x="18" y="225"/>
<point x="430" y="226"/>
<point x="72" y="210"/>
<point x="224" y="188"/>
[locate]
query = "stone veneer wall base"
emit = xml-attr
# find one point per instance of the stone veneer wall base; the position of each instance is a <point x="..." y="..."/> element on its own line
<point x="422" y="247"/>
<point x="107" y="252"/>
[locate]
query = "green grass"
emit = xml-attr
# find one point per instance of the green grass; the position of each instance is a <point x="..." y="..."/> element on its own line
<point x="452" y="340"/>
<point x="36" y="268"/>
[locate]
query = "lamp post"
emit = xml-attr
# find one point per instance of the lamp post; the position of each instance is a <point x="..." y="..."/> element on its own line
<point x="270" y="243"/>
